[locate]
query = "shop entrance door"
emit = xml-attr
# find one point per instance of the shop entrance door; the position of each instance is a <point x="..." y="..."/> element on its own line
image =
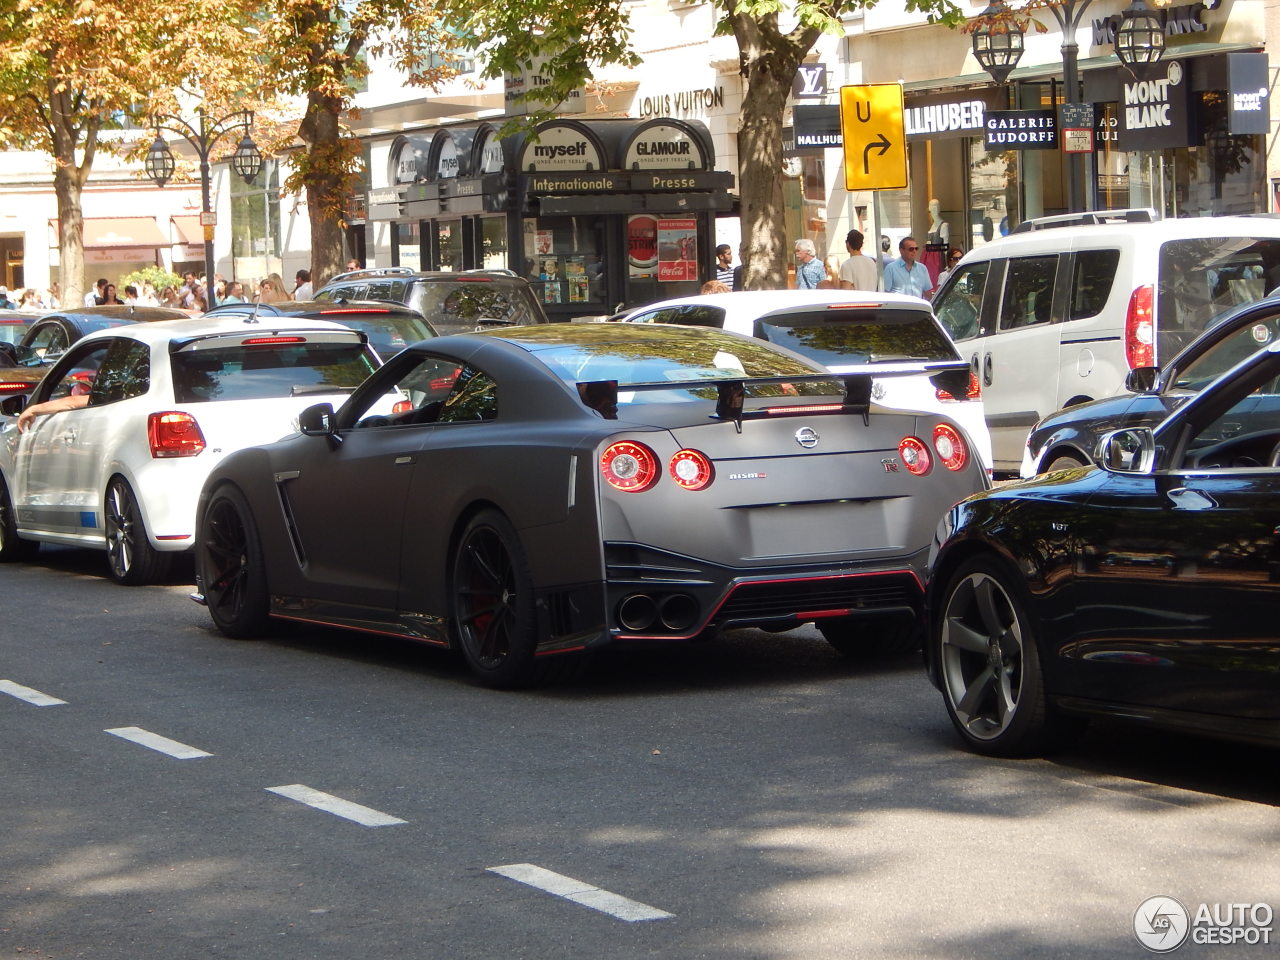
<point x="446" y="246"/>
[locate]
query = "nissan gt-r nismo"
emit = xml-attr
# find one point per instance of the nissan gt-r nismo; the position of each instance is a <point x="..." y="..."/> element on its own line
<point x="164" y="403"/>
<point x="547" y="489"/>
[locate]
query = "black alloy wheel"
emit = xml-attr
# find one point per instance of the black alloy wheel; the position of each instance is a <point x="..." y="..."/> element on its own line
<point x="230" y="566"/>
<point x="494" y="619"/>
<point x="989" y="665"/>
<point x="132" y="559"/>
<point x="12" y="549"/>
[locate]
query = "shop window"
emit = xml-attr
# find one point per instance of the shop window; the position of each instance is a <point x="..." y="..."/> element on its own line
<point x="994" y="207"/>
<point x="406" y="246"/>
<point x="448" y="245"/>
<point x="493" y="243"/>
<point x="564" y="259"/>
<point x="1091" y="282"/>
<point x="255" y="224"/>
<point x="1028" y="292"/>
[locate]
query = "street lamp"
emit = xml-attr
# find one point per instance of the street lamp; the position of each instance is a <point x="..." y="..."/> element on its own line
<point x="1139" y="43"/>
<point x="203" y="137"/>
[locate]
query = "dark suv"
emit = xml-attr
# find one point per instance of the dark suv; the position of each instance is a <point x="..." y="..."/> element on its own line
<point x="451" y="302"/>
<point x="390" y="327"/>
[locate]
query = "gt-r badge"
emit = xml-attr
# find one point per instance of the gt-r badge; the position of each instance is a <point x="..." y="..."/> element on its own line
<point x="890" y="465"/>
<point x="807" y="437"/>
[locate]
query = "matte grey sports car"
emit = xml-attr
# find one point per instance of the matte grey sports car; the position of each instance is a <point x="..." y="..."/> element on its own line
<point x="530" y="494"/>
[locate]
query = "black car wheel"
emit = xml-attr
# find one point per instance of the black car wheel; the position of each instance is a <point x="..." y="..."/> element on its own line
<point x="872" y="636"/>
<point x="11" y="548"/>
<point x="130" y="556"/>
<point x="494" y="620"/>
<point x="989" y="665"/>
<point x="230" y="566"/>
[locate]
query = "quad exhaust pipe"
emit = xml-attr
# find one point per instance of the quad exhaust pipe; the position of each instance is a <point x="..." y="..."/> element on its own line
<point x="675" y="612"/>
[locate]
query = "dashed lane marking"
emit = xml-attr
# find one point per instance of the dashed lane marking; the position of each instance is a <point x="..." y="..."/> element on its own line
<point x="31" y="696"/>
<point x="156" y="742"/>
<point x="557" y="884"/>
<point x="365" y="816"/>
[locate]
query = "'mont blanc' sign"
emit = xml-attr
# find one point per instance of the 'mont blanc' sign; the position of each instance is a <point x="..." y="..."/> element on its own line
<point x="1153" y="113"/>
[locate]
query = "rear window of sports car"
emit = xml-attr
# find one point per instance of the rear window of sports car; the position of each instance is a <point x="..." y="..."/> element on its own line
<point x="260" y="372"/>
<point x="864" y="335"/>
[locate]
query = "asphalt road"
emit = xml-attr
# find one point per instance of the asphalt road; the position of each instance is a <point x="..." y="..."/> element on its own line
<point x="755" y="798"/>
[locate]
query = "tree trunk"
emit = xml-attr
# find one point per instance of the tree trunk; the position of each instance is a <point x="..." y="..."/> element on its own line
<point x="769" y="63"/>
<point x="327" y="182"/>
<point x="68" y="184"/>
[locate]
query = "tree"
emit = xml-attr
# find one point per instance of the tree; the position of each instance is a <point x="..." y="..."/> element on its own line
<point x="72" y="71"/>
<point x="316" y="51"/>
<point x="569" y="36"/>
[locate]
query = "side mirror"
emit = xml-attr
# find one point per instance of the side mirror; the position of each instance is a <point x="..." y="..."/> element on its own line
<point x="12" y="406"/>
<point x="1141" y="379"/>
<point x="1131" y="450"/>
<point x="317" y="420"/>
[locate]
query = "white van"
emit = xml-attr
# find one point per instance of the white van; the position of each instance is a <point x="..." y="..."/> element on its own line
<point x="1059" y="311"/>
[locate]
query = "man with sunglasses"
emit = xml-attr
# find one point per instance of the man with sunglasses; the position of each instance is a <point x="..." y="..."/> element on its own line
<point x="907" y="274"/>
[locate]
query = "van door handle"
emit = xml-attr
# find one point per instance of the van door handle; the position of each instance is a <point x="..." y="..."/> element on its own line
<point x="986" y="371"/>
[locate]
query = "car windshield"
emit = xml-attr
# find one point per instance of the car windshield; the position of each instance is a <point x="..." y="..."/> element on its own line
<point x="664" y="354"/>
<point x="1202" y="277"/>
<point x="475" y="302"/>
<point x="261" y="371"/>
<point x="12" y="328"/>
<point x="388" y="333"/>
<point x="865" y="335"/>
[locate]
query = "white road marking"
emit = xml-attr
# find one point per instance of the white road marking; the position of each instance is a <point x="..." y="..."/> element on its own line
<point x="365" y="816"/>
<point x="156" y="742"/>
<point x="26" y="693"/>
<point x="581" y="893"/>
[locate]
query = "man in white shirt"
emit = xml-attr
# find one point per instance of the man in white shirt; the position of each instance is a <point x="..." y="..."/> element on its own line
<point x="96" y="295"/>
<point x="859" y="271"/>
<point x="303" y="290"/>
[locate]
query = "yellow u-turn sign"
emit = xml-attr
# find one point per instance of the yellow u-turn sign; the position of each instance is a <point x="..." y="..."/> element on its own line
<point x="875" y="143"/>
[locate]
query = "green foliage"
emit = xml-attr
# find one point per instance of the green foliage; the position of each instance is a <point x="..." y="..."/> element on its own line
<point x="158" y="277"/>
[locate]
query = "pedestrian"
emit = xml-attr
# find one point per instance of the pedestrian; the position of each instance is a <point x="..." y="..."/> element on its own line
<point x="353" y="264"/>
<point x="809" y="269"/>
<point x="953" y="257"/>
<point x="715" y="286"/>
<point x="95" y="295"/>
<point x="302" y="289"/>
<point x="169" y="297"/>
<point x="232" y="292"/>
<point x="109" y="297"/>
<point x="31" y="300"/>
<point x="907" y="274"/>
<point x="5" y="302"/>
<point x="282" y="291"/>
<point x="859" y="271"/>
<point x="131" y="295"/>
<point x="724" y="264"/>
<point x="55" y="296"/>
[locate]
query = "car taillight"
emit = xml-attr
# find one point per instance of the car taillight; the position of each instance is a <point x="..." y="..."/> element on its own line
<point x="950" y="446"/>
<point x="692" y="469"/>
<point x="629" y="467"/>
<point x="174" y="434"/>
<point x="401" y="406"/>
<point x="915" y="455"/>
<point x="972" y="392"/>
<point x="15" y="386"/>
<point x="270" y="341"/>
<point x="1140" y="329"/>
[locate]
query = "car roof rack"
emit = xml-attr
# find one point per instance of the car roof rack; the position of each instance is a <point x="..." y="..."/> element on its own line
<point x="375" y="272"/>
<point x="1132" y="215"/>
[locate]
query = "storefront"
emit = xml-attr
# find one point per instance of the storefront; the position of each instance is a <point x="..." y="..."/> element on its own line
<point x="595" y="213"/>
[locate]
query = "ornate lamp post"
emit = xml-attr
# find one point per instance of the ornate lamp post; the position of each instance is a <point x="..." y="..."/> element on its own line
<point x="998" y="41"/>
<point x="203" y="137"/>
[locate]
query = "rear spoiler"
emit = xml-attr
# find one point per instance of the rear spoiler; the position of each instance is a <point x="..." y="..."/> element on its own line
<point x="602" y="395"/>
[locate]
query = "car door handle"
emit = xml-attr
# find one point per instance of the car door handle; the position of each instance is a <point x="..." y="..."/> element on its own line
<point x="986" y="371"/>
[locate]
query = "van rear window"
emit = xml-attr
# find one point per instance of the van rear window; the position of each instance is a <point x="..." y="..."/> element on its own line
<point x="260" y="372"/>
<point x="843" y="337"/>
<point x="1202" y="277"/>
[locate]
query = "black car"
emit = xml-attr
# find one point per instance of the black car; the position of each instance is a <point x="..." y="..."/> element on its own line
<point x="1069" y="438"/>
<point x="45" y="338"/>
<point x="452" y="302"/>
<point x="1146" y="589"/>
<point x="533" y="493"/>
<point x="389" y="327"/>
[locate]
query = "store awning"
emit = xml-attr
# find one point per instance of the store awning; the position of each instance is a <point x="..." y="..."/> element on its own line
<point x="120" y="232"/>
<point x="189" y="229"/>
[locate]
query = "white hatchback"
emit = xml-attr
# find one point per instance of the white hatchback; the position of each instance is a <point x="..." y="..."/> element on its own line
<point x="164" y="402"/>
<point x="847" y="330"/>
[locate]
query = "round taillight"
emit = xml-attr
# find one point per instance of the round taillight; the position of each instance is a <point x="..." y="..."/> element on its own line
<point x="692" y="470"/>
<point x="629" y="467"/>
<point x="915" y="455"/>
<point x="950" y="446"/>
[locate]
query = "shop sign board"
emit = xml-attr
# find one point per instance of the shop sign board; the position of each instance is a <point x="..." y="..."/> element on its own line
<point x="447" y="162"/>
<point x="560" y="148"/>
<point x="1021" y="130"/>
<point x="816" y="128"/>
<point x="664" y="146"/>
<point x="528" y="81"/>
<point x="642" y="245"/>
<point x="1153" y="113"/>
<point x="1247" y="107"/>
<point x="410" y="161"/>
<point x="810" y="81"/>
<point x="491" y="156"/>
<point x="875" y="147"/>
<point x="1075" y="120"/>
<point x="677" y="249"/>
<point x="950" y="115"/>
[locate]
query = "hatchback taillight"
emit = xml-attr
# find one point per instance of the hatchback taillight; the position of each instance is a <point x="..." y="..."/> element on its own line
<point x="973" y="391"/>
<point x="1140" y="329"/>
<point x="629" y="467"/>
<point x="174" y="434"/>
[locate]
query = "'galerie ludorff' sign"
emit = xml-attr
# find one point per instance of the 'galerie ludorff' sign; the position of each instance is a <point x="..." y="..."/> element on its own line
<point x="1021" y="130"/>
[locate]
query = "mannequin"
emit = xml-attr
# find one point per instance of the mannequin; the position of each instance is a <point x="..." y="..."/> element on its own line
<point x="939" y="229"/>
